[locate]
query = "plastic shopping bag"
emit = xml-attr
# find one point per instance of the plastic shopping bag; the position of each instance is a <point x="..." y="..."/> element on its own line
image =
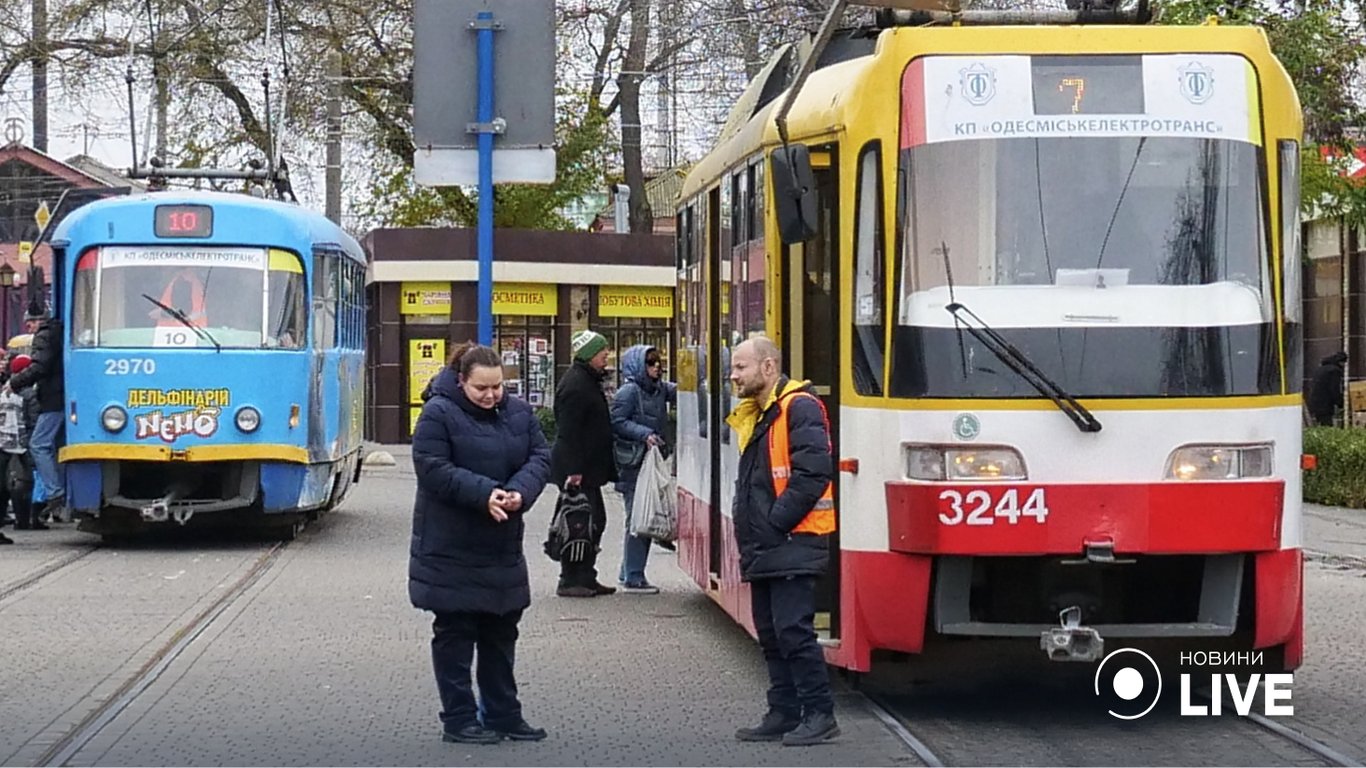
<point x="654" y="510"/>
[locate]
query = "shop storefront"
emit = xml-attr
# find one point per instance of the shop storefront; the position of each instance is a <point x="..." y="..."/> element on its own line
<point x="618" y="285"/>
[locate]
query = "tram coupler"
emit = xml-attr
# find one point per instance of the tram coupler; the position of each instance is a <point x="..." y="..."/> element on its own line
<point x="1071" y="641"/>
<point x="160" y="511"/>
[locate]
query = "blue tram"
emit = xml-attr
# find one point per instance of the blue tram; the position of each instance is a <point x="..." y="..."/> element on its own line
<point x="214" y="359"/>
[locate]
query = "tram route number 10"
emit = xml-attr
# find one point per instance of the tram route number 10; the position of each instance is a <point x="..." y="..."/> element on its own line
<point x="983" y="507"/>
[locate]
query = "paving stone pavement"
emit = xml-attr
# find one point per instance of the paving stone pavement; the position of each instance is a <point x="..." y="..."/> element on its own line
<point x="324" y="661"/>
<point x="72" y="639"/>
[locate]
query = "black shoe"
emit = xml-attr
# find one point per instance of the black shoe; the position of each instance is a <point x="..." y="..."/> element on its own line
<point x="669" y="545"/>
<point x="576" y="592"/>
<point x="5" y="539"/>
<point x="815" y="728"/>
<point x="36" y="526"/>
<point x="603" y="589"/>
<point x="522" y="731"/>
<point x="774" y="725"/>
<point x="472" y="734"/>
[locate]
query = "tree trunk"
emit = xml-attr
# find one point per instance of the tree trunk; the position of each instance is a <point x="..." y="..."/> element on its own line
<point x="628" y="84"/>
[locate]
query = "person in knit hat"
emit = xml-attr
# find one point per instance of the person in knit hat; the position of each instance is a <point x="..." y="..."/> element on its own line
<point x="582" y="455"/>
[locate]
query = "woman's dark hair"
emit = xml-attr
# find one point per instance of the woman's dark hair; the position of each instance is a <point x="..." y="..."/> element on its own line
<point x="467" y="355"/>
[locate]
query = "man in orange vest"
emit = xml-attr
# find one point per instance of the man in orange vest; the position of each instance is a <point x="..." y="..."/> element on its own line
<point x="784" y="512"/>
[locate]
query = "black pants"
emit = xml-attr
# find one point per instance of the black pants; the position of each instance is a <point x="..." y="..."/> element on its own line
<point x="18" y="488"/>
<point x="784" y="615"/>
<point x="585" y="574"/>
<point x="455" y="637"/>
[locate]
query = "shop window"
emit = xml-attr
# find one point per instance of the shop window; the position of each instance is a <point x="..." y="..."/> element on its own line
<point x="527" y="345"/>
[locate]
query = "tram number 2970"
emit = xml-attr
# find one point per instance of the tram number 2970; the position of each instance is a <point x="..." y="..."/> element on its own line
<point x="984" y="507"/>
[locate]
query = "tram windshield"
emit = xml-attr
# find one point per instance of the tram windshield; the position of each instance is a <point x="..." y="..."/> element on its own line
<point x="188" y="297"/>
<point x="1121" y="265"/>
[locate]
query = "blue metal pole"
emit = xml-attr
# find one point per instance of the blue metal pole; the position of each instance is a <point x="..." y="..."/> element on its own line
<point x="485" y="230"/>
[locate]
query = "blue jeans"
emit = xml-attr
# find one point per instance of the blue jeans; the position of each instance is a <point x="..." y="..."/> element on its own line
<point x="636" y="549"/>
<point x="47" y="433"/>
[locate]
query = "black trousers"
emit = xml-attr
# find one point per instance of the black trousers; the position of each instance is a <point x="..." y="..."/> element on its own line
<point x="455" y="638"/>
<point x="585" y="574"/>
<point x="784" y="617"/>
<point x="18" y="487"/>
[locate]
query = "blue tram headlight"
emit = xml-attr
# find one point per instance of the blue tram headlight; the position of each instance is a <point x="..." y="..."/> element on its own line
<point x="114" y="418"/>
<point x="248" y="418"/>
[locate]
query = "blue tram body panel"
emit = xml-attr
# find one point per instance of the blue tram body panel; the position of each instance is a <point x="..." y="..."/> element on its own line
<point x="214" y="356"/>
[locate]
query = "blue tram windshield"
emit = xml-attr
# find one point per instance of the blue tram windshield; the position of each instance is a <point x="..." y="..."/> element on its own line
<point x="243" y="297"/>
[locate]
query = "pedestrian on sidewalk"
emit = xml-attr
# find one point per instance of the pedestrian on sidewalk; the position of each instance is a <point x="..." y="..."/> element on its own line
<point x="784" y="512"/>
<point x="20" y="411"/>
<point x="640" y="415"/>
<point x="1325" y="390"/>
<point x="582" y="455"/>
<point x="45" y="371"/>
<point x="481" y="462"/>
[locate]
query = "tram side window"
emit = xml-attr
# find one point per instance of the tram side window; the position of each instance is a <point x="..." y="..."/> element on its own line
<point x="285" y="327"/>
<point x="353" y="300"/>
<point x="869" y="328"/>
<point x="756" y="263"/>
<point x="83" y="301"/>
<point x="325" y="285"/>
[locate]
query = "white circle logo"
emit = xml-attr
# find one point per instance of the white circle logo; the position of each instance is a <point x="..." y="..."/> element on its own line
<point x="1126" y="681"/>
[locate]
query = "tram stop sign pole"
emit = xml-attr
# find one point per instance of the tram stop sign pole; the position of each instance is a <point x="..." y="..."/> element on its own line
<point x="456" y="118"/>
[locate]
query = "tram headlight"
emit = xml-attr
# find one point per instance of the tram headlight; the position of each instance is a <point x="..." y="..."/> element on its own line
<point x="1219" y="462"/>
<point x="248" y="418"/>
<point x="937" y="462"/>
<point x="114" y="418"/>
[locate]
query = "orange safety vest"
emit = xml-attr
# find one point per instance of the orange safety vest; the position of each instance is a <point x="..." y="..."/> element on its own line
<point x="196" y="312"/>
<point x="821" y="519"/>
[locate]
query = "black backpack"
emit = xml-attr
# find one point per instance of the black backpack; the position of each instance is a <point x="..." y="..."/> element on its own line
<point x="570" y="538"/>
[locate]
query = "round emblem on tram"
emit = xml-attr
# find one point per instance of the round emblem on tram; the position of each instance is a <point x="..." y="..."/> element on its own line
<point x="966" y="426"/>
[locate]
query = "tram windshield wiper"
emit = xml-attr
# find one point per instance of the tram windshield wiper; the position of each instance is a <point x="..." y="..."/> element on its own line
<point x="1027" y="370"/>
<point x="179" y="314"/>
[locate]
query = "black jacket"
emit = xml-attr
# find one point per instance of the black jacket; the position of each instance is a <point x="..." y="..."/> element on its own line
<point x="583" y="429"/>
<point x="45" y="370"/>
<point x="461" y="559"/>
<point x="1325" y="390"/>
<point x="764" y="521"/>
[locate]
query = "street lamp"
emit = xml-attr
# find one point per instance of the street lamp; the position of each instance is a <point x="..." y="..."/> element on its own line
<point x="6" y="282"/>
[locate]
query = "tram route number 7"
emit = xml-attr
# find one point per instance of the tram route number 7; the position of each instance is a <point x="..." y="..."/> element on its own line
<point x="983" y="507"/>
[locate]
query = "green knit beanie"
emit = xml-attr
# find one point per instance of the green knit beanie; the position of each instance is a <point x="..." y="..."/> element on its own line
<point x="586" y="344"/>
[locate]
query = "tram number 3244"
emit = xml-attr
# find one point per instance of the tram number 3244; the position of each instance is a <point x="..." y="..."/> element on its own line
<point x="982" y="507"/>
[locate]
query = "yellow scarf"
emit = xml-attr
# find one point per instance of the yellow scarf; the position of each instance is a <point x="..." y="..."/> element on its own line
<point x="746" y="415"/>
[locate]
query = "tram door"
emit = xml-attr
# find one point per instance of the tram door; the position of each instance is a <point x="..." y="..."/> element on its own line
<point x="811" y="338"/>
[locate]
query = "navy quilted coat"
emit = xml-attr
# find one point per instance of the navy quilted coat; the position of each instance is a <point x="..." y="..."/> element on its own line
<point x="461" y="559"/>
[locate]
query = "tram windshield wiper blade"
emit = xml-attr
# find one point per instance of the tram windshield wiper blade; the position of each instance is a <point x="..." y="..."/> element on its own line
<point x="1027" y="370"/>
<point x="179" y="314"/>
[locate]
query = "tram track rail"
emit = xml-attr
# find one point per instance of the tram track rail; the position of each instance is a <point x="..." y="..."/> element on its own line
<point x="70" y="744"/>
<point x="888" y="717"/>
<point x="1319" y="749"/>
<point x="900" y="726"/>
<point x="44" y="571"/>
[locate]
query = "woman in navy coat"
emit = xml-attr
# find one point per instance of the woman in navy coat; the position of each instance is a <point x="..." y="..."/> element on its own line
<point x="481" y="462"/>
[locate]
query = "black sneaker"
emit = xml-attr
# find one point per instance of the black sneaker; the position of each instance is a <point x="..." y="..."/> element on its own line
<point x="815" y="728"/>
<point x="522" y="731"/>
<point x="471" y="734"/>
<point x="5" y="539"/>
<point x="774" y="725"/>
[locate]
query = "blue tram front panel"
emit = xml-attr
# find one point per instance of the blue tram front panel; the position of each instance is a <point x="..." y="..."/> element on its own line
<point x="209" y="432"/>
